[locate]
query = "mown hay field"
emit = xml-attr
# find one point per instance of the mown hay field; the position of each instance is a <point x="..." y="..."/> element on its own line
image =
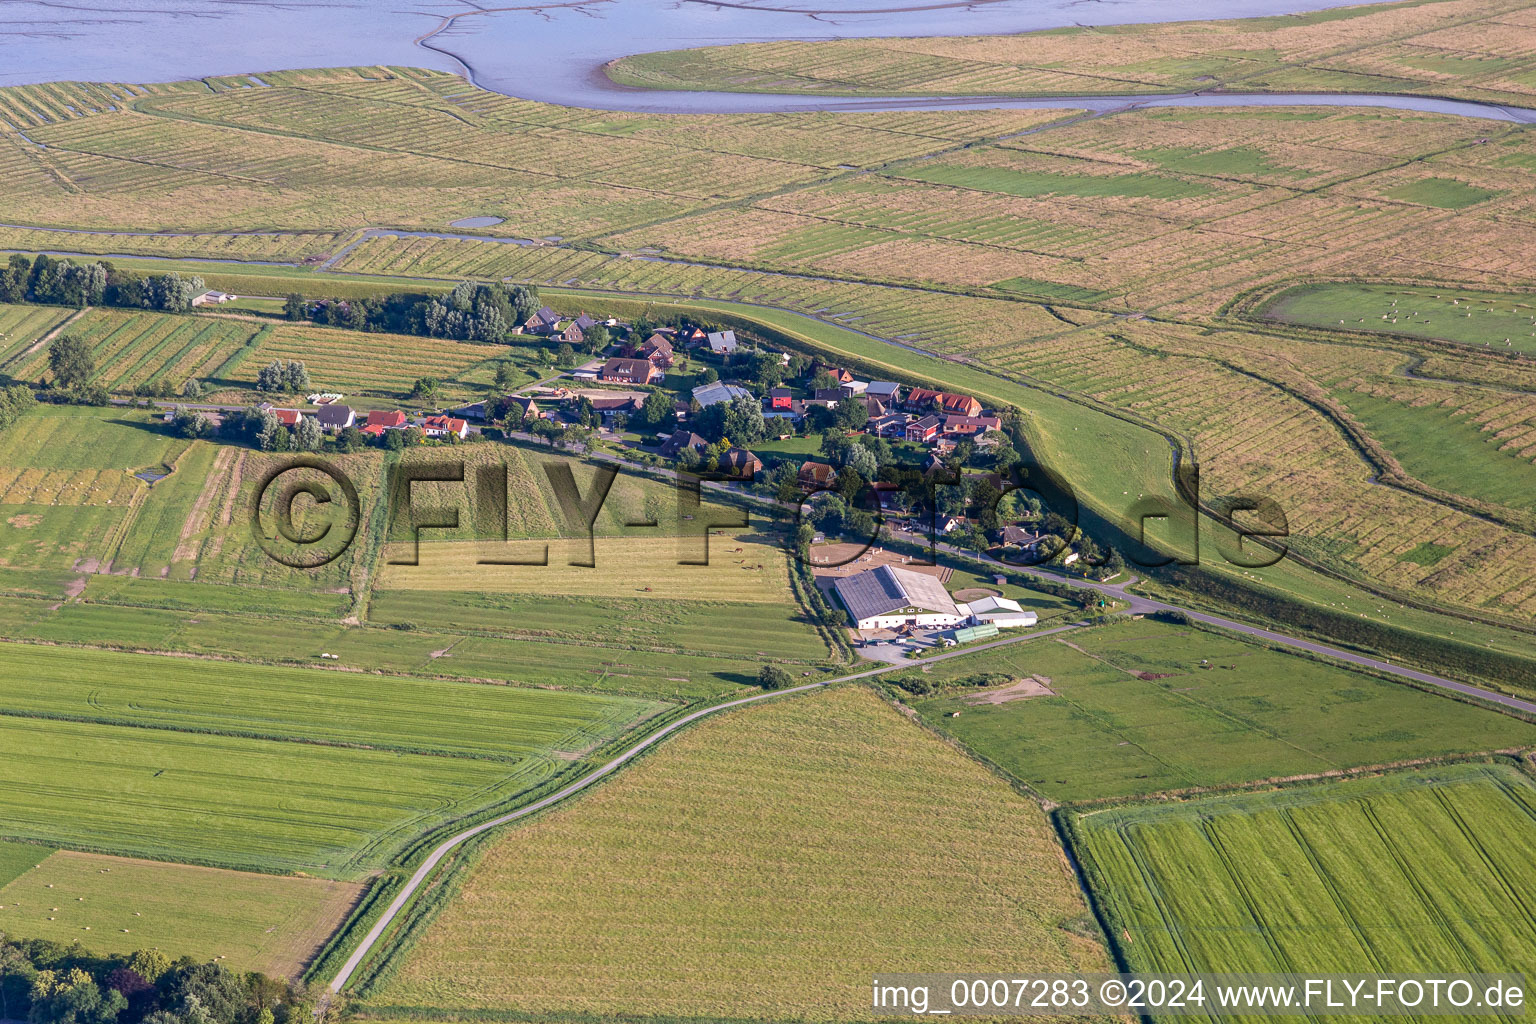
<point x="1399" y="874"/>
<point x="250" y="922"/>
<point x="744" y="569"/>
<point x="1146" y="707"/>
<point x="596" y="662"/>
<point x="720" y="878"/>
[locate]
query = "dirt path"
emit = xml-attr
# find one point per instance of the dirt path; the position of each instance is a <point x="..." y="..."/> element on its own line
<point x="37" y="345"/>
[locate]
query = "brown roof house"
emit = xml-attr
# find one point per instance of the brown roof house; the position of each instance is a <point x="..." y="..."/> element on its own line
<point x="628" y="371"/>
<point x="816" y="475"/>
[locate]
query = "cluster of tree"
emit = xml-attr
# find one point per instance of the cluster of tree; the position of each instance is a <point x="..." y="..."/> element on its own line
<point x="48" y="983"/>
<point x="259" y="427"/>
<point x="472" y="311"/>
<point x="921" y="686"/>
<point x="14" y="401"/>
<point x="772" y="677"/>
<point x="73" y="365"/>
<point x="278" y="375"/>
<point x="99" y="283"/>
<point x="740" y="420"/>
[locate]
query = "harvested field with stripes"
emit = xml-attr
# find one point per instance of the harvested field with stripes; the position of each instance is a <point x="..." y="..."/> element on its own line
<point x="140" y="347"/>
<point x="1457" y="48"/>
<point x="352" y="361"/>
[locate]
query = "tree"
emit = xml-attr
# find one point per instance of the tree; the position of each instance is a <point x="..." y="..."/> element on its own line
<point x="655" y="412"/>
<point x="271" y="377"/>
<point x="424" y="389"/>
<point x="850" y="414"/>
<point x="351" y="439"/>
<point x="295" y="376"/>
<point x="506" y="376"/>
<point x="309" y="435"/>
<point x="295" y="308"/>
<point x="271" y="435"/>
<point x="70" y="359"/>
<point x="565" y="356"/>
<point x="193" y="388"/>
<point x="774" y="678"/>
<point x="13" y="280"/>
<point x="740" y="419"/>
<point x="73" y="998"/>
<point x="149" y="964"/>
<point x="394" y="440"/>
<point x="596" y="338"/>
<point x="861" y="460"/>
<point x="191" y="425"/>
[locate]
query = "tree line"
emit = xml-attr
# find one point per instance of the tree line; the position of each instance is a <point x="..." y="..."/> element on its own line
<point x="472" y="311"/>
<point x="45" y="982"/>
<point x="60" y="282"/>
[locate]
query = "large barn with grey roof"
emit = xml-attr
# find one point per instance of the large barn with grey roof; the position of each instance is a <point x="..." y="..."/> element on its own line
<point x="890" y="597"/>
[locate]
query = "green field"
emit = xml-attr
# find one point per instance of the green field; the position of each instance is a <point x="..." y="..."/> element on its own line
<point x="506" y="723"/>
<point x="276" y="769"/>
<point x="1216" y="711"/>
<point x="759" y="866"/>
<point x="1442" y="193"/>
<point x="17" y="859"/>
<point x="114" y="905"/>
<point x="1484" y="319"/>
<point x="1445" y="449"/>
<point x="1403" y="873"/>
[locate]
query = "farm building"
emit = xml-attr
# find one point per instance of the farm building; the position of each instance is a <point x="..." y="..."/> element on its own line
<point x="628" y="371"/>
<point x="923" y="430"/>
<point x="213" y="298"/>
<point x="887" y="391"/>
<point x="740" y="464"/>
<point x="965" y="634"/>
<point x="394" y="420"/>
<point x="444" y="426"/>
<point x="712" y="394"/>
<point x="288" y="417"/>
<point x="335" y="417"/>
<point x="890" y="597"/>
<point x="680" y="440"/>
<point x="542" y="322"/>
<point x="968" y="426"/>
<point x="816" y="474"/>
<point x="998" y="612"/>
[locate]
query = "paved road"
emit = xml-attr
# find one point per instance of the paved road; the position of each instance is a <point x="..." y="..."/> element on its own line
<point x="430" y="864"/>
<point x="1139" y="605"/>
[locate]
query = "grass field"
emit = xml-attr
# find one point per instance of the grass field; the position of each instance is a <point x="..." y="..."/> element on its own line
<point x="1146" y="707"/>
<point x="114" y="905"/>
<point x="18" y="858"/>
<point x="1407" y="872"/>
<point x="762" y="865"/>
<point x="1449" y="449"/>
<point x="276" y="769"/>
<point x="1481" y="318"/>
